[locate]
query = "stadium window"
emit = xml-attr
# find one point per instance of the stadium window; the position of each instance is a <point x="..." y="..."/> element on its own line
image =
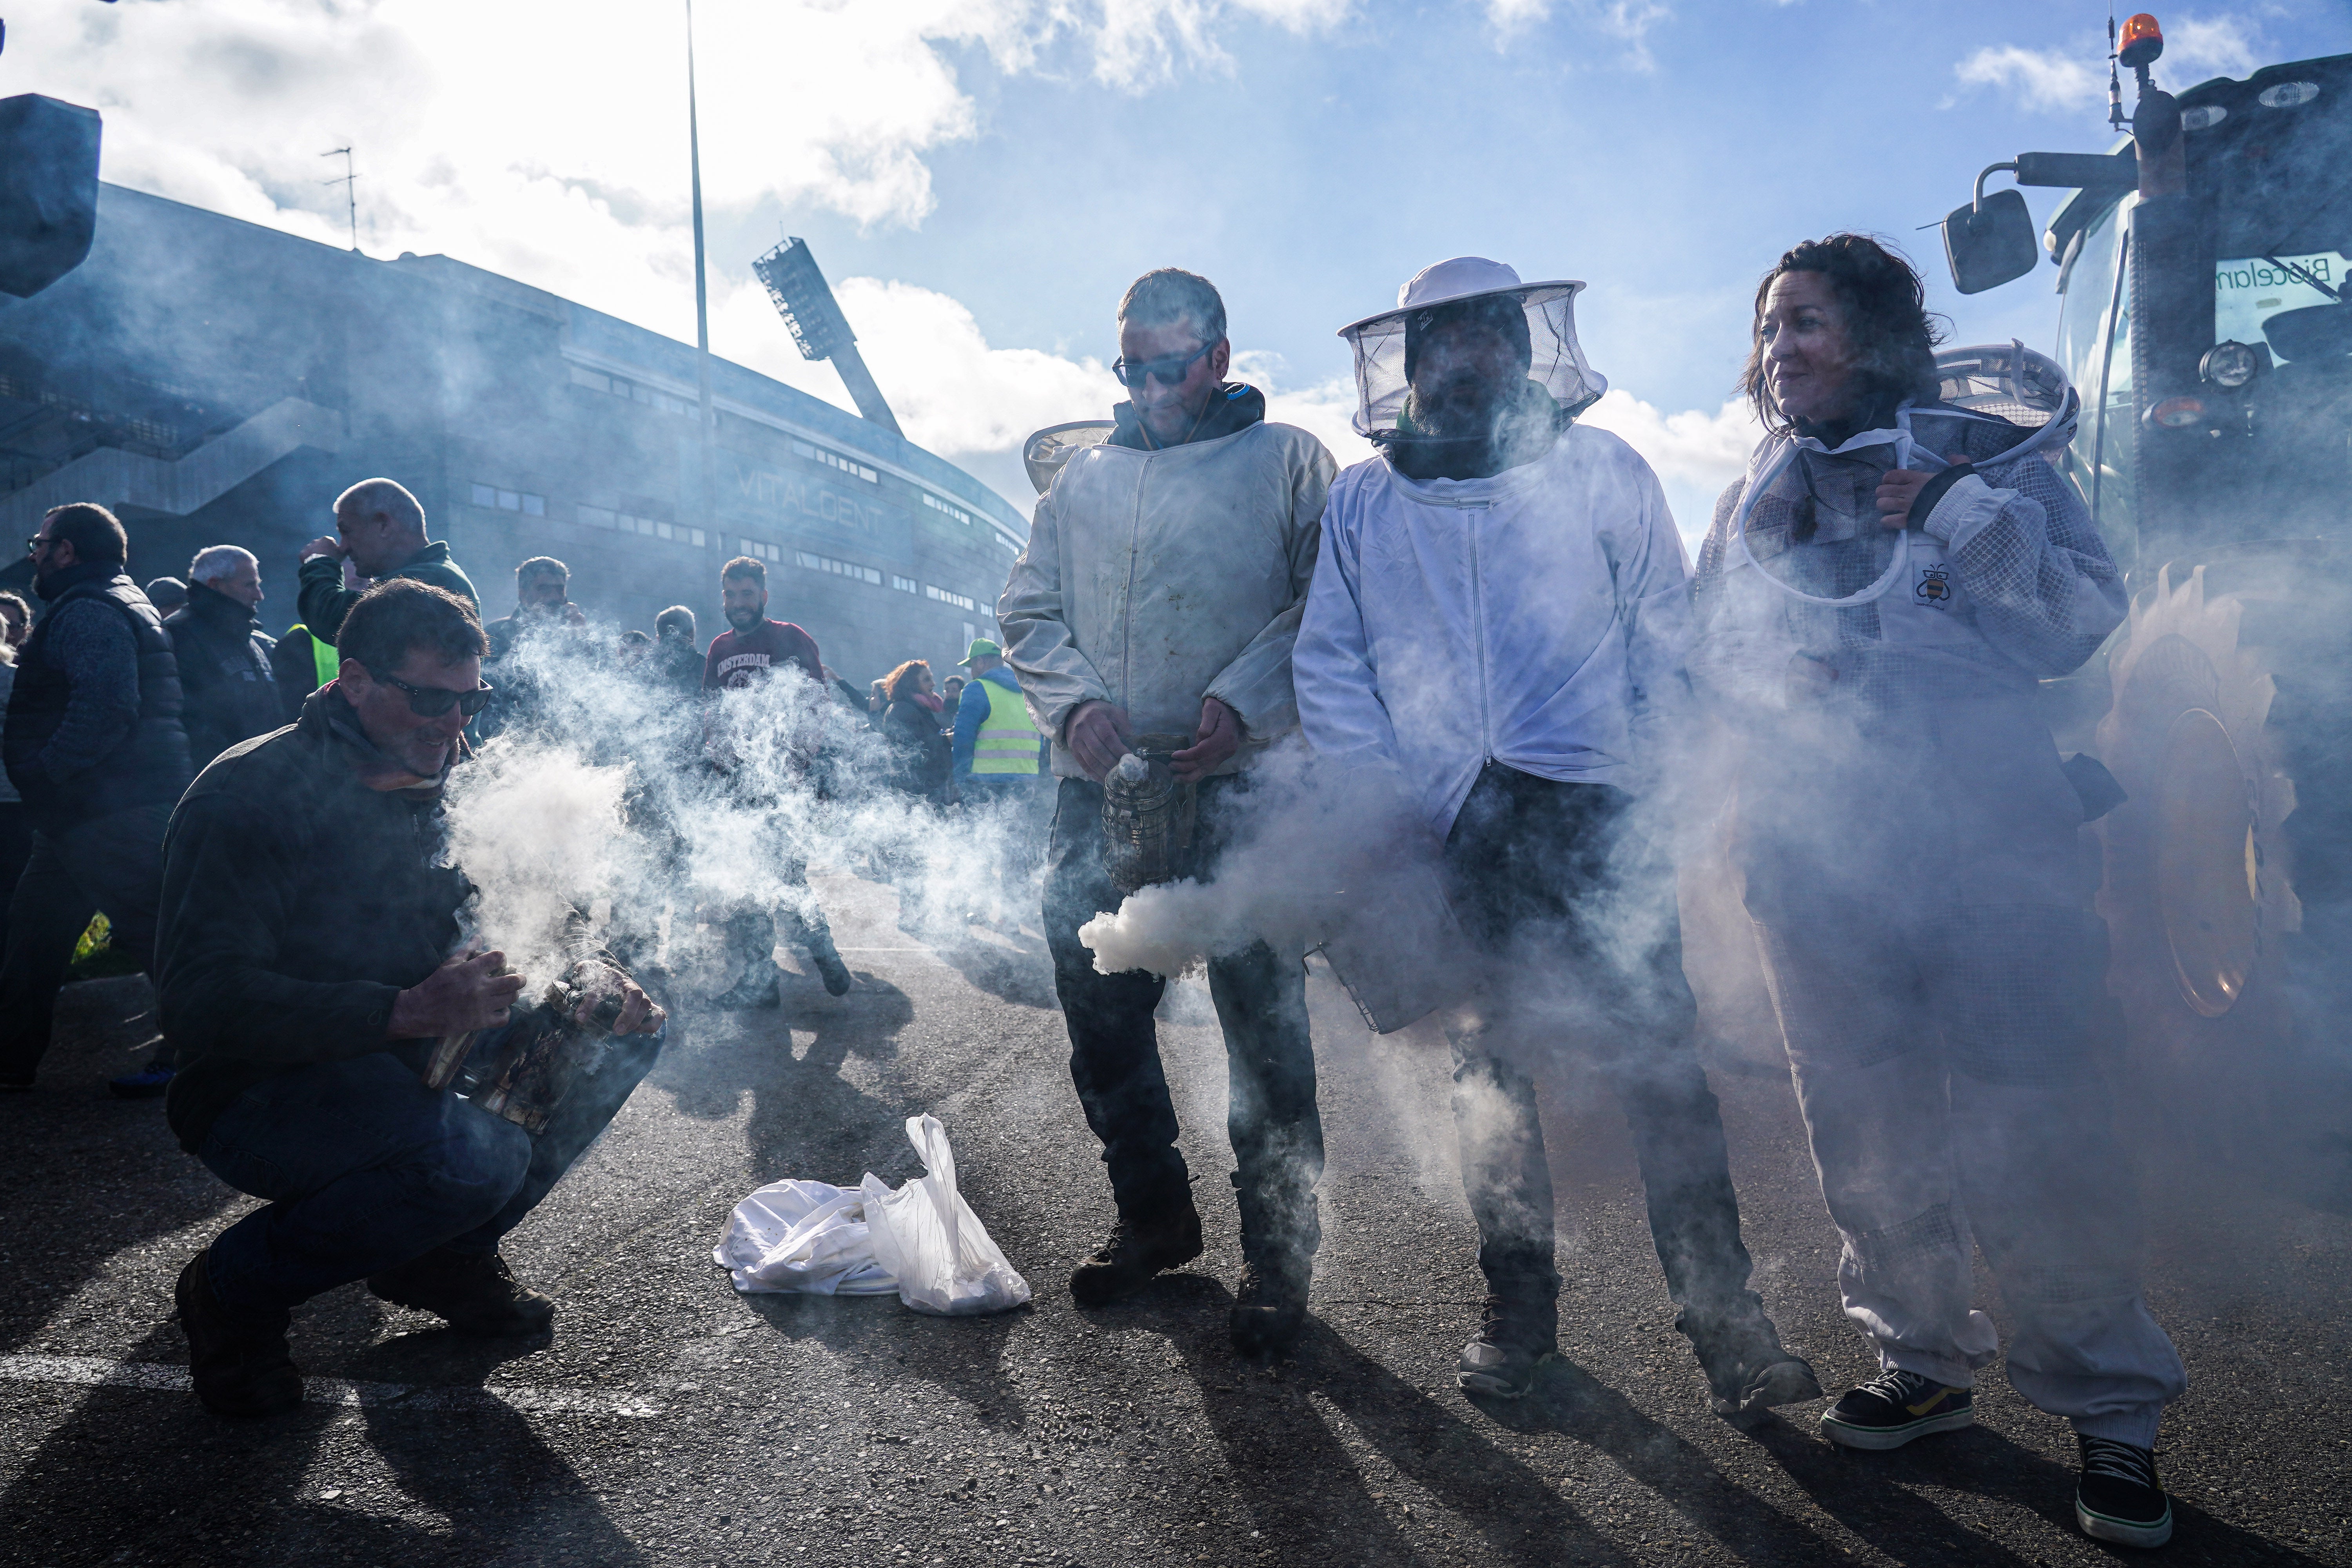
<point x="835" y="461"/>
<point x="486" y="495"/>
<point x="590" y="379"/>
<point x="533" y="506"/>
<point x="960" y="601"/>
<point x="510" y="501"/>
<point x="936" y="504"/>
<point x="596" y="516"/>
<point x="904" y="584"/>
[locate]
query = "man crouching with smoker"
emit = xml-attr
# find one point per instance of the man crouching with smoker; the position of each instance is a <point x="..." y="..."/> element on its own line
<point x="305" y="973"/>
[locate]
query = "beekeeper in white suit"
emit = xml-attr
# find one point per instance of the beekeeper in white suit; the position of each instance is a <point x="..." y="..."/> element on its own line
<point x="1497" y="621"/>
<point x="1874" y="604"/>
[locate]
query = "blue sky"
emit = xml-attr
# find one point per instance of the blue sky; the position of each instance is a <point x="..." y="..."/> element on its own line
<point x="981" y="179"/>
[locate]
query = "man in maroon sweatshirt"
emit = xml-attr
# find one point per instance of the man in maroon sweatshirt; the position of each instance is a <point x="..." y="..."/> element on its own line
<point x="764" y="746"/>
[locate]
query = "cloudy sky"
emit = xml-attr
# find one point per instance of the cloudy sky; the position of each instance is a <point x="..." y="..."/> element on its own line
<point x="980" y="178"/>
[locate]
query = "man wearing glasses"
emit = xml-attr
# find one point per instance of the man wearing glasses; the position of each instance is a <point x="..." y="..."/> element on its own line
<point x="96" y="750"/>
<point x="1159" y="595"/>
<point x="307" y="963"/>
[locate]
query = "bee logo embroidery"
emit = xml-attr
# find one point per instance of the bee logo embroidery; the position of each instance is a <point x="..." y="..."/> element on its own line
<point x="1934" y="587"/>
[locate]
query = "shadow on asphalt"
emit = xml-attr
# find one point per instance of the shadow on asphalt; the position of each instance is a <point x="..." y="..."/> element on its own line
<point x="77" y="1152"/>
<point x="1022" y="974"/>
<point x="1570" y="1401"/>
<point x="1876" y="1496"/>
<point x="195" y="1487"/>
<point x="963" y="1357"/>
<point x="806" y="1121"/>
<point x="1302" y="1486"/>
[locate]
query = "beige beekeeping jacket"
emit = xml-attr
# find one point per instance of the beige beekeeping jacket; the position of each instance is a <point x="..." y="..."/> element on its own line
<point x="1154" y="579"/>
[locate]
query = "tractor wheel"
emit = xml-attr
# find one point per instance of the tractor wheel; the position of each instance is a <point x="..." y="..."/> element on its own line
<point x="2200" y="890"/>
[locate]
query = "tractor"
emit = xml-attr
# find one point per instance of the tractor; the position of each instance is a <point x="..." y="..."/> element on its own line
<point x="2201" y="265"/>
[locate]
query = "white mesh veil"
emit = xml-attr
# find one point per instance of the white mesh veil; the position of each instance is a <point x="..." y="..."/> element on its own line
<point x="1557" y="363"/>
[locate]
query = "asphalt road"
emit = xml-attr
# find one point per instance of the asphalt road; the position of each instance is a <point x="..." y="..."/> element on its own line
<point x="670" y="1421"/>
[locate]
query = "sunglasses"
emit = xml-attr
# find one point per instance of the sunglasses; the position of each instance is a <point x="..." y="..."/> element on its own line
<point x="1168" y="368"/>
<point x="431" y="702"/>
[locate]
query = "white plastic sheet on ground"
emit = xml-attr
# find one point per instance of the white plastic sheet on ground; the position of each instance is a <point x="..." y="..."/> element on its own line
<point x="922" y="1241"/>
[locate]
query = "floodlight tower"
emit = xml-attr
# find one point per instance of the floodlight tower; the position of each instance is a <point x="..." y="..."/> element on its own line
<point x="817" y="325"/>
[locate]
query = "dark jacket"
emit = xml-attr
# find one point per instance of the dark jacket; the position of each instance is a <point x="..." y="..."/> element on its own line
<point x="294" y="660"/>
<point x="324" y="601"/>
<point x="228" y="686"/>
<point x="298" y="903"/>
<point x="918" y="752"/>
<point x="93" y="724"/>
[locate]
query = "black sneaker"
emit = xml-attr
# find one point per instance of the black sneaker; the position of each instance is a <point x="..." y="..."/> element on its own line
<point x="475" y="1292"/>
<point x="1748" y="1369"/>
<point x="1135" y="1252"/>
<point x="1895" y="1408"/>
<point x="237" y="1361"/>
<point x="2119" y="1498"/>
<point x="1516" y="1336"/>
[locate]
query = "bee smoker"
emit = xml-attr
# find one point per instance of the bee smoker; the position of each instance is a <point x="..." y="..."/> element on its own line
<point x="1148" y="815"/>
<point x="528" y="1068"/>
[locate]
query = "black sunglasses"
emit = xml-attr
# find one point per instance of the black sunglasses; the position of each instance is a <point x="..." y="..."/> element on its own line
<point x="431" y="702"/>
<point x="1168" y="368"/>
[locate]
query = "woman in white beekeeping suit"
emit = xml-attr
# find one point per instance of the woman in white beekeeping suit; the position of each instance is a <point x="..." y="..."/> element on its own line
<point x="1874" y="606"/>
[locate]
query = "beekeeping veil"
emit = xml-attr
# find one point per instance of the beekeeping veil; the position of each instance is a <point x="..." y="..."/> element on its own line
<point x="1541" y="315"/>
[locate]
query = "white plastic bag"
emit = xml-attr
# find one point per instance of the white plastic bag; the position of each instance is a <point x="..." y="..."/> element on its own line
<point x="929" y="1239"/>
<point x="802" y="1236"/>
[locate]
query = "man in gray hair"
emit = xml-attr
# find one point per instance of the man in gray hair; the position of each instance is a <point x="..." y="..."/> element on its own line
<point x="228" y="689"/>
<point x="379" y="533"/>
<point x="1160" y="596"/>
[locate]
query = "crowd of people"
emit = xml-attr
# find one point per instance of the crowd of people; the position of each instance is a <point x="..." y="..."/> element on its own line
<point x="1493" y="618"/>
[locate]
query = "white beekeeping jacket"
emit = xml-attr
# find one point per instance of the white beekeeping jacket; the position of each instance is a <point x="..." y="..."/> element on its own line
<point x="1537" y="618"/>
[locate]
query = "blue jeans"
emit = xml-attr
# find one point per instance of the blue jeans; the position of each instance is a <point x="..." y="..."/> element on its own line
<point x="366" y="1169"/>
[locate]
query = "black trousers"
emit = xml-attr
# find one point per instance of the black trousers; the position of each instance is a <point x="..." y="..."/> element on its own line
<point x="113" y="863"/>
<point x="1261" y="998"/>
<point x="1570" y="897"/>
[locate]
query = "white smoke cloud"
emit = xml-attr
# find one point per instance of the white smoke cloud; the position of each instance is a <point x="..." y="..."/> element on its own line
<point x="2066" y="80"/>
<point x="1694" y="453"/>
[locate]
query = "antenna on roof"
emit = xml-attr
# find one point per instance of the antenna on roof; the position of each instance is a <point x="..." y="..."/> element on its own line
<point x="2115" y="121"/>
<point x="349" y="179"/>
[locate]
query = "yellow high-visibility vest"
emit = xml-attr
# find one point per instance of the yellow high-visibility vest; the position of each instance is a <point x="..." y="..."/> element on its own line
<point x="1008" y="741"/>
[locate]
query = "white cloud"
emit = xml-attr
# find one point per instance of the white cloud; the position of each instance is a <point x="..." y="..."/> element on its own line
<point x="2196" y="48"/>
<point x="1694" y="453"/>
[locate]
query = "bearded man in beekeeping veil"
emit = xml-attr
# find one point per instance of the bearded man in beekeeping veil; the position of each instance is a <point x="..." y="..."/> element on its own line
<point x="1497" y="621"/>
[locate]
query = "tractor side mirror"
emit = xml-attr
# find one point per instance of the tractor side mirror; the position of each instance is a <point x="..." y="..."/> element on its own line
<point x="1990" y="243"/>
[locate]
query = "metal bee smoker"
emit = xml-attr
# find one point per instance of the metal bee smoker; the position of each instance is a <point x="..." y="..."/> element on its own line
<point x="1148" y="815"/>
<point x="527" y="1068"/>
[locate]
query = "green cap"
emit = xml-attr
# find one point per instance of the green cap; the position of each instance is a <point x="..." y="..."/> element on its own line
<point x="982" y="648"/>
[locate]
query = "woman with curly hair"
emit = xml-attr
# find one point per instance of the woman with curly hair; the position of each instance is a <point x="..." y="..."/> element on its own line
<point x="910" y="727"/>
<point x="1875" y="606"/>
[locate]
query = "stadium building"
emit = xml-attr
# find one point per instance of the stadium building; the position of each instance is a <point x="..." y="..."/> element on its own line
<point x="215" y="381"/>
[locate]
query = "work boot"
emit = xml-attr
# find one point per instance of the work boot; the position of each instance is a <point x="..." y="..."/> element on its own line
<point x="1138" y="1248"/>
<point x="476" y="1292"/>
<point x="760" y="987"/>
<point x="237" y="1361"/>
<point x="1516" y="1334"/>
<point x="1280" y="1231"/>
<point x="1746" y="1367"/>
<point x="829" y="967"/>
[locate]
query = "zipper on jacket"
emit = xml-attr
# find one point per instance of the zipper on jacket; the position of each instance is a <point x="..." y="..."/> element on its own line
<point x="1479" y="636"/>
